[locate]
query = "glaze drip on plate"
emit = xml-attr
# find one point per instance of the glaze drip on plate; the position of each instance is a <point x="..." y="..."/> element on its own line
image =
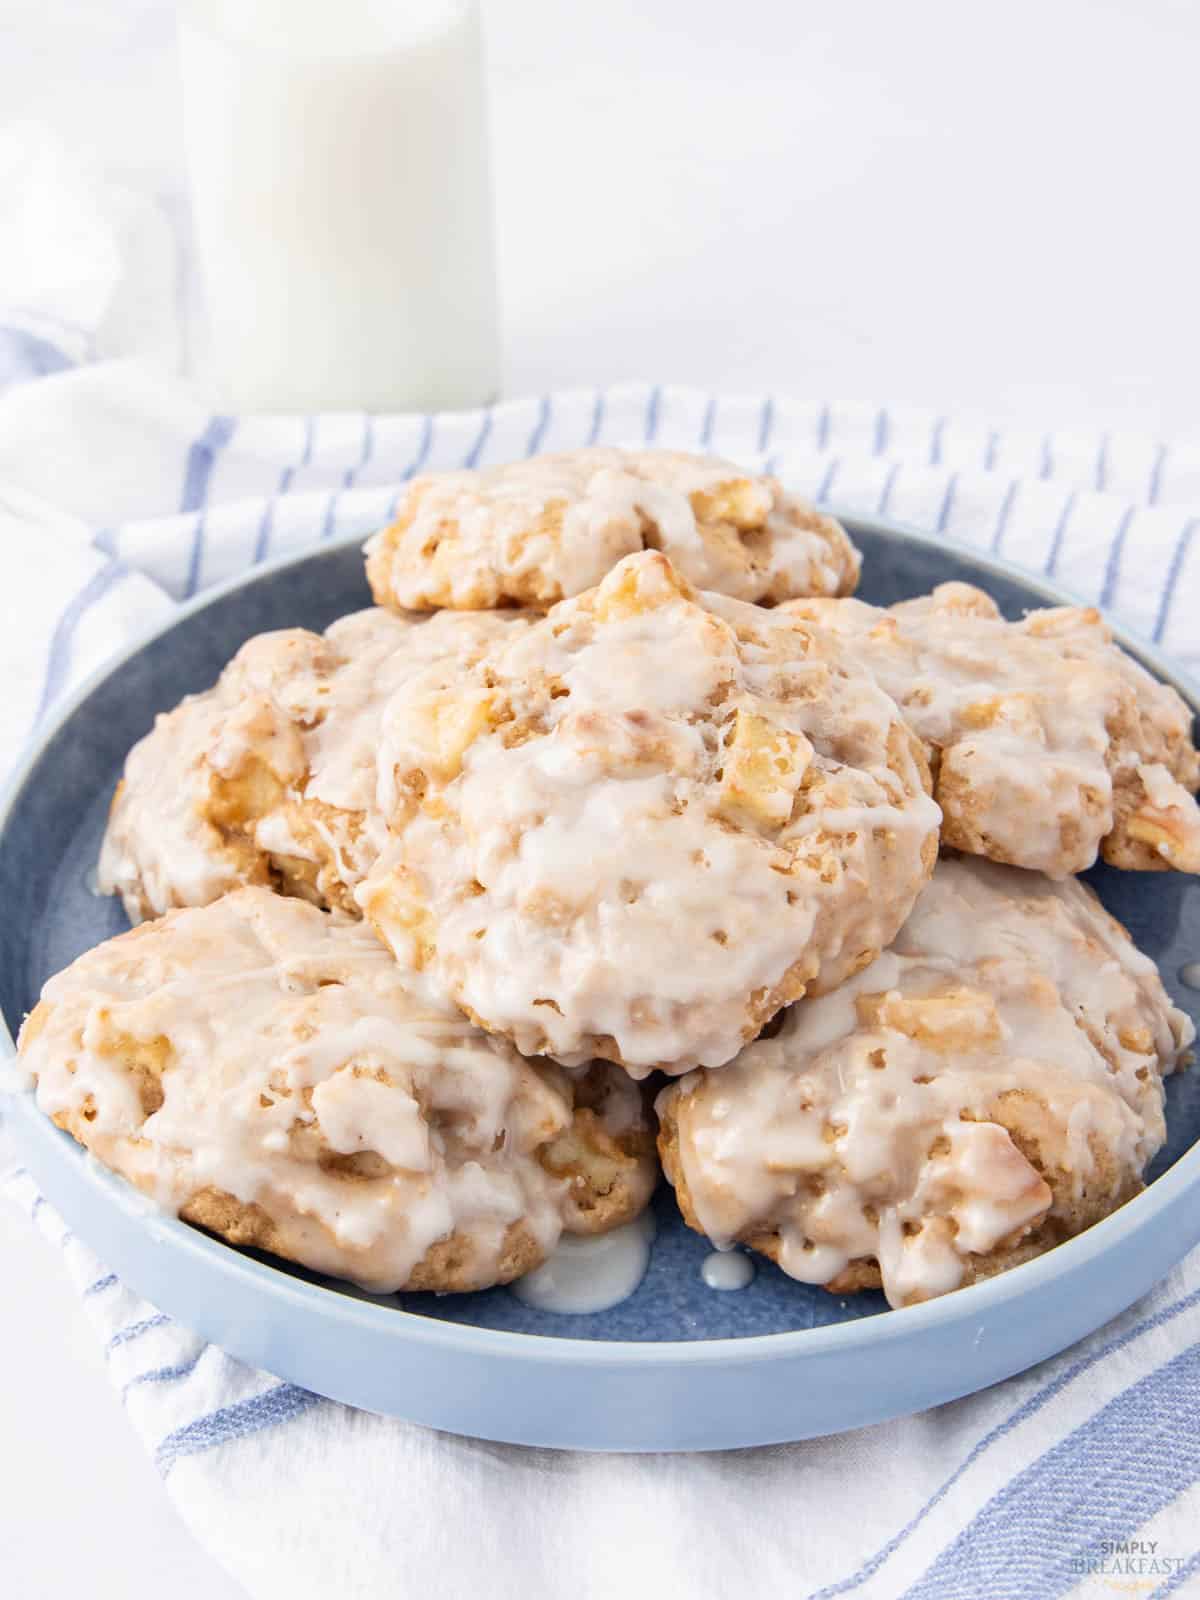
<point x="727" y="1270"/>
<point x="583" y="1276"/>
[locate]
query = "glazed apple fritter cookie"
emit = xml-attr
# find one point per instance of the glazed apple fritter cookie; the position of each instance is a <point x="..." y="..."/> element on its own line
<point x="1048" y="743"/>
<point x="988" y="1087"/>
<point x="537" y="531"/>
<point x="269" y="777"/>
<point x="260" y="1068"/>
<point x="642" y="825"/>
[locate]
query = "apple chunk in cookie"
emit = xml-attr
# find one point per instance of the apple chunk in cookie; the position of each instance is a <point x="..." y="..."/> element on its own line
<point x="647" y="822"/>
<point x="269" y="777"/>
<point x="1049" y="743"/>
<point x="988" y="1087"/>
<point x="536" y="531"/>
<point x="260" y="1068"/>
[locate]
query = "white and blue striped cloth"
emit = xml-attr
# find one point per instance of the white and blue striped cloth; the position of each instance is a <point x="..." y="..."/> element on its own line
<point x="120" y="495"/>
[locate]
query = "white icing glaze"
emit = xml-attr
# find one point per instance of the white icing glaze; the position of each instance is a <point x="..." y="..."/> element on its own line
<point x="539" y="530"/>
<point x="1050" y="735"/>
<point x="588" y="1275"/>
<point x="727" y="1270"/>
<point x="277" y="1041"/>
<point x="275" y="767"/>
<point x="891" y="1120"/>
<point x="642" y="818"/>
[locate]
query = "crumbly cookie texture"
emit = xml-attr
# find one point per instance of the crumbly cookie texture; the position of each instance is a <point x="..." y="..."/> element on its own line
<point x="544" y="529"/>
<point x="1048" y="743"/>
<point x="260" y="1068"/>
<point x="988" y="1087"/>
<point x="269" y="777"/>
<point x="644" y="824"/>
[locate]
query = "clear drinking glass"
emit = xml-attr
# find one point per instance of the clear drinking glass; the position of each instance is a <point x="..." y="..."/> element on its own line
<point x="338" y="154"/>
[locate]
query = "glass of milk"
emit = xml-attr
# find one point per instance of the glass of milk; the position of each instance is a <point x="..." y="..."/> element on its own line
<point x="342" y="202"/>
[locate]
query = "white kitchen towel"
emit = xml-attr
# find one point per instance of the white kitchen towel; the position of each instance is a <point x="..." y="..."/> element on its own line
<point x="121" y="495"/>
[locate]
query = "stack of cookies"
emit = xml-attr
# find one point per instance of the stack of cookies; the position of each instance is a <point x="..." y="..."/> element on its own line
<point x="617" y="833"/>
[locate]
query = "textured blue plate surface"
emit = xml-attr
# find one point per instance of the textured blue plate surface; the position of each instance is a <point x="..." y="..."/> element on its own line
<point x="677" y="1365"/>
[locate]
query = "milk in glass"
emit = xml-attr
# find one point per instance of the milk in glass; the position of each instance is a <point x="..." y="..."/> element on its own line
<point x="342" y="203"/>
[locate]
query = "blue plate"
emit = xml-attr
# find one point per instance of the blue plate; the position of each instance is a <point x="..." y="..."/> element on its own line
<point x="676" y="1366"/>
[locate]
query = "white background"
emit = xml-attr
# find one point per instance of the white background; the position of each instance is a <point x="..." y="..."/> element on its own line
<point x="984" y="208"/>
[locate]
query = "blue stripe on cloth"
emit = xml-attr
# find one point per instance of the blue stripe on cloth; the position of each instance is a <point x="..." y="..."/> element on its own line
<point x="197" y="475"/>
<point x="476" y="451"/>
<point x="26" y="355"/>
<point x="55" y="326"/>
<point x="652" y="406"/>
<point x="882" y="429"/>
<point x="135" y="1330"/>
<point x="236" y="1421"/>
<point x="709" y="423"/>
<point x="100" y="1284"/>
<point x="1112" y="571"/>
<point x="824" y="428"/>
<point x="181" y="1369"/>
<point x="539" y="427"/>
<point x="1178" y="557"/>
<point x="1006" y="505"/>
<point x="1047" y="458"/>
<point x="288" y="474"/>
<point x="827" y="481"/>
<point x="1103" y="1481"/>
<point x="1059" y="534"/>
<point x="947" y="503"/>
<point x="330" y="520"/>
<point x="201" y="459"/>
<point x="991" y="451"/>
<point x="196" y="558"/>
<point x="1156" y="474"/>
<point x="598" y="408"/>
<point x="1178" y="1578"/>
<point x="58" y="659"/>
<point x="368" y="450"/>
<point x="766" y="423"/>
<point x="1028" y="1408"/>
<point x="394" y="503"/>
<point x="889" y="483"/>
<point x="935" y="442"/>
<point x="422" y="455"/>
<point x="262" y="541"/>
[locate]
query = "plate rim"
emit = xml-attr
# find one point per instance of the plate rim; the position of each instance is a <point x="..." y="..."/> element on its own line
<point x="963" y="1305"/>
